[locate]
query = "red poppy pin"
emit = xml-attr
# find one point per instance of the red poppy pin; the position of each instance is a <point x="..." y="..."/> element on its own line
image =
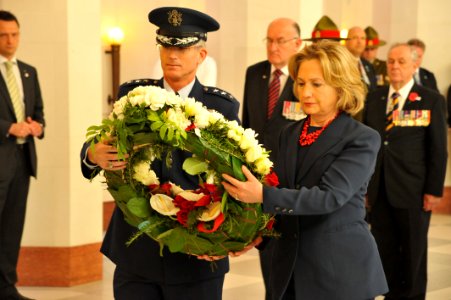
<point x="414" y="97"/>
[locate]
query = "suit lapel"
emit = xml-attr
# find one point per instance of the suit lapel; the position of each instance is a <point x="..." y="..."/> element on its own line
<point x="412" y="105"/>
<point x="26" y="84"/>
<point x="5" y="95"/>
<point x="328" y="138"/>
<point x="263" y="88"/>
<point x="292" y="144"/>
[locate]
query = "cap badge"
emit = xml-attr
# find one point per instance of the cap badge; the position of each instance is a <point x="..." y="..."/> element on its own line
<point x="175" y="18"/>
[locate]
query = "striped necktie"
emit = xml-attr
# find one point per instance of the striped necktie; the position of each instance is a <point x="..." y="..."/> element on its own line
<point x="14" y="94"/>
<point x="393" y="106"/>
<point x="273" y="92"/>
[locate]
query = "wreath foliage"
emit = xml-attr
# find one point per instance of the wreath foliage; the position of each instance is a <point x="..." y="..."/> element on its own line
<point x="150" y="123"/>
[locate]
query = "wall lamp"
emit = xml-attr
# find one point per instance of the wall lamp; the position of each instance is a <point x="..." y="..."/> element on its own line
<point x="115" y="38"/>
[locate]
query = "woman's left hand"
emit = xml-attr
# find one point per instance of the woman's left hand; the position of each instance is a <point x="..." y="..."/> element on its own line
<point x="250" y="191"/>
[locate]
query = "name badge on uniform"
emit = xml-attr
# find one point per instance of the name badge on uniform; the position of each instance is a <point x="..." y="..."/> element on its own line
<point x="410" y="118"/>
<point x="292" y="110"/>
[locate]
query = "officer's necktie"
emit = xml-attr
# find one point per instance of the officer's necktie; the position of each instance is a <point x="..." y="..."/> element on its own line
<point x="273" y="92"/>
<point x="393" y="106"/>
<point x="363" y="73"/>
<point x="14" y="94"/>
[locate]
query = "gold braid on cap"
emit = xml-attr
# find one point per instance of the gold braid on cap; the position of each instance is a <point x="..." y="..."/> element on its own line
<point x="175" y="41"/>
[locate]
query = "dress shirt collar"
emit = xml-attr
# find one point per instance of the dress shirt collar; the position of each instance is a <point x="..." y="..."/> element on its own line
<point x="284" y="70"/>
<point x="184" y="92"/>
<point x="403" y="92"/>
<point x="4" y="59"/>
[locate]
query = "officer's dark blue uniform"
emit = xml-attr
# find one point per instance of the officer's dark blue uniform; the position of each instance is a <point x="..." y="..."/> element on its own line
<point x="141" y="273"/>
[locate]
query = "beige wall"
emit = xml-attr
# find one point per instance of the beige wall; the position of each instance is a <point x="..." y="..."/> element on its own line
<point x="65" y="40"/>
<point x="61" y="39"/>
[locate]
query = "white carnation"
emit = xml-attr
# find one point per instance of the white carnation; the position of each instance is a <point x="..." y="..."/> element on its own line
<point x="215" y="117"/>
<point x="263" y="165"/>
<point x="202" y="118"/>
<point x="254" y="153"/>
<point x="144" y="174"/>
<point x="248" y="139"/>
<point x="177" y="118"/>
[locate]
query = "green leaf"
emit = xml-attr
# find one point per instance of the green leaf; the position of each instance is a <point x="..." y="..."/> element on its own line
<point x="156" y="125"/>
<point x="194" y="166"/>
<point x="153" y="116"/>
<point x="236" y="167"/>
<point x="163" y="130"/>
<point x="170" y="134"/>
<point x="138" y="207"/>
<point x="126" y="192"/>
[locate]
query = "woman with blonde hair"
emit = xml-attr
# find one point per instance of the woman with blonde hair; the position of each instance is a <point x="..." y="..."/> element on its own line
<point x="325" y="162"/>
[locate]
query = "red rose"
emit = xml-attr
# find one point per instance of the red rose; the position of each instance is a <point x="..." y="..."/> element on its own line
<point x="190" y="127"/>
<point x="270" y="224"/>
<point x="414" y="97"/>
<point x="271" y="179"/>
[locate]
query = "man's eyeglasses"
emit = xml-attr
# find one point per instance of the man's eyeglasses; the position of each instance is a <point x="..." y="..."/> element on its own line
<point x="278" y="42"/>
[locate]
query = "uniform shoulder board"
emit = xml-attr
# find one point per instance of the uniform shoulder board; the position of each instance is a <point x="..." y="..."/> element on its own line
<point x="130" y="85"/>
<point x="218" y="92"/>
<point x="138" y="82"/>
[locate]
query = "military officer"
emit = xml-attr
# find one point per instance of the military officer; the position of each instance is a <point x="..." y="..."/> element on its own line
<point x="141" y="272"/>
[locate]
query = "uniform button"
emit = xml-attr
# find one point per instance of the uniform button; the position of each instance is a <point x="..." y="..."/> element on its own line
<point x="385" y="143"/>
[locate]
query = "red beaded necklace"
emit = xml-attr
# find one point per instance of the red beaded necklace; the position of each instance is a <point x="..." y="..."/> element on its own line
<point x="306" y="139"/>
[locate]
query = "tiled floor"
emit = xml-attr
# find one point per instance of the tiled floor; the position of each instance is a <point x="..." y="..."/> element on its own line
<point x="244" y="281"/>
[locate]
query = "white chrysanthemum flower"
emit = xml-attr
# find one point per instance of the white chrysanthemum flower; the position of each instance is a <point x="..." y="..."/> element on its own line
<point x="215" y="117"/>
<point x="253" y="153"/>
<point x="118" y="108"/>
<point x="156" y="98"/>
<point x="177" y="118"/>
<point x="263" y="165"/>
<point x="192" y="107"/>
<point x="202" y="118"/>
<point x="248" y="139"/>
<point x="172" y="99"/>
<point x="211" y="212"/>
<point x="163" y="204"/>
<point x="144" y="174"/>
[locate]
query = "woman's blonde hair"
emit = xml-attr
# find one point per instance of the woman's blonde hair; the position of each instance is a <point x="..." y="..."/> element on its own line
<point x="339" y="70"/>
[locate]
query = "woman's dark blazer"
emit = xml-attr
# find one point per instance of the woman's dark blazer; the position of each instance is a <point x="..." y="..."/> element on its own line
<point x="325" y="243"/>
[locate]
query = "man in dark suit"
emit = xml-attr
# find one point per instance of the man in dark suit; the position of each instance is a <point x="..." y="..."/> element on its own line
<point x="422" y="76"/>
<point x="141" y="272"/>
<point x="261" y="114"/>
<point x="410" y="172"/>
<point x="21" y="119"/>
